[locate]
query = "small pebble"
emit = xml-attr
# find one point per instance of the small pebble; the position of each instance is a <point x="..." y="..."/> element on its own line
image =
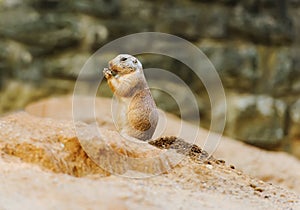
<point x="220" y="161"/>
<point x="258" y="189"/>
<point x="209" y="166"/>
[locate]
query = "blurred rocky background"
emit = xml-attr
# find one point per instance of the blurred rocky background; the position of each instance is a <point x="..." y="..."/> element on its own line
<point x="253" y="44"/>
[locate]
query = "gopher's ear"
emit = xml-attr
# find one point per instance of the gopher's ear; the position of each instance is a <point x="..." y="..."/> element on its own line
<point x="135" y="61"/>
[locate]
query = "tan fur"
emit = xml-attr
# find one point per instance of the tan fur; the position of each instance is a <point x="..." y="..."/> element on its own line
<point x="137" y="115"/>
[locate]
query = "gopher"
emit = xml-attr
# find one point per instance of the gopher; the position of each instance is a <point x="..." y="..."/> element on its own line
<point x="137" y="114"/>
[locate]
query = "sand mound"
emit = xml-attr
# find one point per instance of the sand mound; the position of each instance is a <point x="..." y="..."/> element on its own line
<point x="43" y="165"/>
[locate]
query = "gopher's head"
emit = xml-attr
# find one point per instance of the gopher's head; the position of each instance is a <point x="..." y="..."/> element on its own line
<point x="124" y="64"/>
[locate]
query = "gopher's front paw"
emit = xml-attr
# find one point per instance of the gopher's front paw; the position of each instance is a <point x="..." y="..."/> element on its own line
<point x="107" y="73"/>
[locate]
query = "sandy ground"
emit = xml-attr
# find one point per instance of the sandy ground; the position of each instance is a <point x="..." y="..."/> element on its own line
<point x="42" y="165"/>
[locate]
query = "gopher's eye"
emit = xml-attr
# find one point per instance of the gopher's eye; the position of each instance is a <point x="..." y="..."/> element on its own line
<point x="123" y="59"/>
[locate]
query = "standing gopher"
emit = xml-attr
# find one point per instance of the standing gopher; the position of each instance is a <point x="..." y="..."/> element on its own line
<point x="136" y="115"/>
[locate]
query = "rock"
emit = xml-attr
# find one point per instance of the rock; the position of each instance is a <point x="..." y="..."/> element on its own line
<point x="283" y="71"/>
<point x="296" y="85"/>
<point x="295" y="147"/>
<point x="215" y="23"/>
<point x="50" y="30"/>
<point x="195" y="21"/>
<point x="10" y="96"/>
<point x="295" y="74"/>
<point x="295" y="120"/>
<point x="18" y="16"/>
<point x="46" y="4"/>
<point x="13" y="56"/>
<point x="17" y="94"/>
<point x="189" y="28"/>
<point x="258" y="120"/>
<point x="252" y="4"/>
<point x="67" y="65"/>
<point x="276" y="69"/>
<point x="143" y="10"/>
<point x="38" y="142"/>
<point x="10" y="3"/>
<point x="294" y="3"/>
<point x="236" y="63"/>
<point x="95" y="34"/>
<point x="172" y="65"/>
<point x="260" y="26"/>
<point x="99" y="8"/>
<point x="167" y="102"/>
<point x="2" y="76"/>
<point x="120" y="28"/>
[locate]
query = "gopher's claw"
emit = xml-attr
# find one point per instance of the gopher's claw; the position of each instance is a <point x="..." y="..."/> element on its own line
<point x="107" y="73"/>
